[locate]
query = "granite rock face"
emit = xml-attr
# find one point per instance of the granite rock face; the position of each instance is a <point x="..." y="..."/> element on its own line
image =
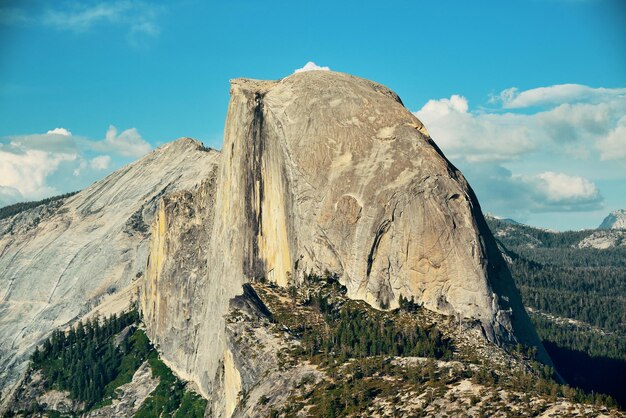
<point x="603" y="239"/>
<point x="324" y="170"/>
<point x="615" y="220"/>
<point x="320" y="171"/>
<point x="177" y="300"/>
<point x="60" y="261"/>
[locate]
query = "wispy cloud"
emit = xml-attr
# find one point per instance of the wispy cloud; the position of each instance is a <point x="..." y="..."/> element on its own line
<point x="512" y="98"/>
<point x="140" y="18"/>
<point x="13" y="16"/>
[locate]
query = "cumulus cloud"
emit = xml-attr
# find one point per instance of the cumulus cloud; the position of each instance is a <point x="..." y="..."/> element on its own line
<point x="562" y="192"/>
<point x="27" y="171"/>
<point x="475" y="136"/>
<point x="311" y="66"/>
<point x="59" y="131"/>
<point x="582" y="128"/>
<point x="543" y="131"/>
<point x="613" y="146"/>
<point x="128" y="143"/>
<point x="36" y="166"/>
<point x="503" y="192"/>
<point x="52" y="141"/>
<point x="101" y="162"/>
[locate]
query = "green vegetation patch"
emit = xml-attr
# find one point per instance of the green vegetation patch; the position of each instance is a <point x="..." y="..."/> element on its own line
<point x="86" y="362"/>
<point x="93" y="359"/>
<point x="330" y="325"/>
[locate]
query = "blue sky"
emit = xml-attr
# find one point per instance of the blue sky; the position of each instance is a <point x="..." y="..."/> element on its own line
<point x="527" y="98"/>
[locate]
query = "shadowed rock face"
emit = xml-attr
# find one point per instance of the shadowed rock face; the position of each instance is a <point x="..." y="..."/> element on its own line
<point x="323" y="171"/>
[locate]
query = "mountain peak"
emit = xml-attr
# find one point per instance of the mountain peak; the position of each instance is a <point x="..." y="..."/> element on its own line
<point x="615" y="220"/>
<point x="183" y="143"/>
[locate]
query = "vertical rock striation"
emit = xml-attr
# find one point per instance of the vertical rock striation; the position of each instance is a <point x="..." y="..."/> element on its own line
<point x="329" y="171"/>
<point x="320" y="171"/>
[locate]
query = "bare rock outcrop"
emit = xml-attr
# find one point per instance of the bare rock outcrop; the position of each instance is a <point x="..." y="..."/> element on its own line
<point x="614" y="220"/>
<point x="61" y="261"/>
<point x="603" y="239"/>
<point x="323" y="170"/>
<point x="320" y="171"/>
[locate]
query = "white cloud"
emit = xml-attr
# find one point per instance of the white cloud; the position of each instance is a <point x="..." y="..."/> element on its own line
<point x="59" y="131"/>
<point x="39" y="165"/>
<point x="128" y="143"/>
<point x="101" y="162"/>
<point x="512" y="98"/>
<point x="500" y="191"/>
<point x="580" y="129"/>
<point x="613" y="146"/>
<point x="53" y="142"/>
<point x="563" y="191"/>
<point x="311" y="66"/>
<point x="27" y="171"/>
<point x="474" y="136"/>
<point x="562" y="136"/>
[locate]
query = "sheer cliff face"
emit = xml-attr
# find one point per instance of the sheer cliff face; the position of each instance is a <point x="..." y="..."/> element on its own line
<point x="60" y="261"/>
<point x="323" y="170"/>
<point x="181" y="307"/>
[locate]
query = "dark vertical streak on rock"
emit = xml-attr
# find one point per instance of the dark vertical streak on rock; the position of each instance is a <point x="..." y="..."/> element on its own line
<point x="379" y="234"/>
<point x="253" y="265"/>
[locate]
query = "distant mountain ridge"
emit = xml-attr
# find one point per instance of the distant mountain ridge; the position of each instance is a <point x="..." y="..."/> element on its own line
<point x="572" y="284"/>
<point x="535" y="237"/>
<point x="615" y="220"/>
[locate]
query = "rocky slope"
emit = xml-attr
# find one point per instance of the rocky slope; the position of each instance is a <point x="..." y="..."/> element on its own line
<point x="60" y="261"/>
<point x="615" y="220"/>
<point x="312" y="351"/>
<point x="604" y="239"/>
<point x="320" y="171"/>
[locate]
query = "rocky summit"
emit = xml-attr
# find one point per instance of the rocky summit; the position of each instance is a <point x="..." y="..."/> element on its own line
<point x="322" y="171"/>
<point x="325" y="179"/>
<point x="614" y="220"/>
